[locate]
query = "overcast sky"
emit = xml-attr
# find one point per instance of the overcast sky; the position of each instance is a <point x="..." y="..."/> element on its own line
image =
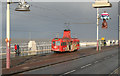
<point x="46" y="19"/>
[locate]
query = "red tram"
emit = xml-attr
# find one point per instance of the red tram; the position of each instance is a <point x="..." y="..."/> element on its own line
<point x="66" y="43"/>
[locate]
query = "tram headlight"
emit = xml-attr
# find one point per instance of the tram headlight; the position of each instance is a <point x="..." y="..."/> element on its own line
<point x="55" y="47"/>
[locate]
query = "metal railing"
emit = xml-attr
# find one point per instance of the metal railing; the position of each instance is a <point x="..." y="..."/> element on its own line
<point x="41" y="48"/>
<point x="24" y="50"/>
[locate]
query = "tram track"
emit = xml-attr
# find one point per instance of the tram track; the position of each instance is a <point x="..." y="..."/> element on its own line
<point x="41" y="57"/>
<point x="78" y="54"/>
<point x="37" y="58"/>
<point x="84" y="66"/>
<point x="79" y="64"/>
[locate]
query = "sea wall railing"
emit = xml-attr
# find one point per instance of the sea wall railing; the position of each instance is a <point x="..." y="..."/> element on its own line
<point x="41" y="48"/>
<point x="24" y="50"/>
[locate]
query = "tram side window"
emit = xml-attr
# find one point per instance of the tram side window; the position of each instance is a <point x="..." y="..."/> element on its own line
<point x="77" y="42"/>
<point x="70" y="43"/>
<point x="63" y="44"/>
<point x="57" y="42"/>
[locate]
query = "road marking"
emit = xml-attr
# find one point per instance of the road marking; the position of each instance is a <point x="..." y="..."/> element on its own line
<point x="69" y="72"/>
<point x="85" y="66"/>
<point x="113" y="55"/>
<point x="95" y="61"/>
<point x="115" y="71"/>
<point x="108" y="57"/>
<point x="81" y="58"/>
<point x="105" y="58"/>
<point x="84" y="55"/>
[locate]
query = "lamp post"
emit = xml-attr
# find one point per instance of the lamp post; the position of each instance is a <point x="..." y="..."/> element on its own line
<point x="119" y="23"/>
<point x="100" y="4"/>
<point x="119" y="30"/>
<point x="97" y="29"/>
<point x="8" y="36"/>
<point x="22" y="7"/>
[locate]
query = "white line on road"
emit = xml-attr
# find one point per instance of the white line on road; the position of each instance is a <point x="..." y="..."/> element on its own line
<point x="81" y="58"/>
<point x="95" y="61"/>
<point x="85" y="66"/>
<point x="106" y="58"/>
<point x="69" y="72"/>
<point x="115" y="71"/>
<point x="84" y="55"/>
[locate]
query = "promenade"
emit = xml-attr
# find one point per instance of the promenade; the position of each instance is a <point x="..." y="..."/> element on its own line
<point x="22" y="64"/>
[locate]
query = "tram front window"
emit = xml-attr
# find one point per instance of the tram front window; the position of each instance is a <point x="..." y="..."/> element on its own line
<point x="53" y="43"/>
<point x="57" y="43"/>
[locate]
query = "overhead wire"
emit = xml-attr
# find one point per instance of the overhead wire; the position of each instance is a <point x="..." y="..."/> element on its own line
<point x="48" y="9"/>
<point x="23" y="14"/>
<point x="58" y="11"/>
<point x="43" y="16"/>
<point x="43" y="8"/>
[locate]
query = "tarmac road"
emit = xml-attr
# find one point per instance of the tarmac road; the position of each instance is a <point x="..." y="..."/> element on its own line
<point x="101" y="63"/>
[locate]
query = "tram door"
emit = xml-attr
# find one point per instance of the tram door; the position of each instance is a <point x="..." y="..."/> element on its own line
<point x="70" y="45"/>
